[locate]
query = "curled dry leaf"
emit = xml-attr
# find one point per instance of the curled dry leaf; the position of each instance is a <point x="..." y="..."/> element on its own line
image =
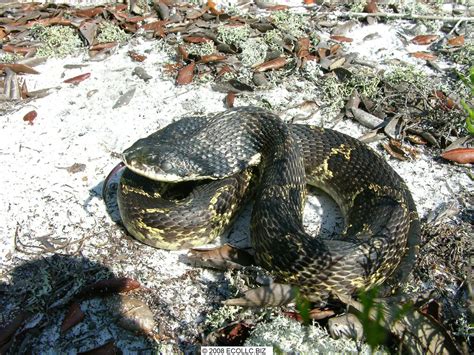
<point x="234" y="334"/>
<point x="399" y="151"/>
<point x="100" y="46"/>
<point x="371" y="7"/>
<point x="424" y="39"/>
<point x="423" y="55"/>
<point x="229" y="99"/>
<point x="108" y="287"/>
<point x="19" y="68"/>
<point x="341" y="38"/>
<point x="459" y="155"/>
<point x="456" y="41"/>
<point x="276" y="63"/>
<point x="16" y="49"/>
<point x="186" y="74"/>
<point x="77" y="79"/>
<point x="223" y="257"/>
<point x="136" y="57"/>
<point x="183" y="53"/>
<point x="302" y="47"/>
<point x="212" y="58"/>
<point x="89" y="13"/>
<point x="73" y="316"/>
<point x="415" y="139"/>
<point x="133" y="314"/>
<point x="30" y="117"/>
<point x="195" y="39"/>
<point x="125" y="98"/>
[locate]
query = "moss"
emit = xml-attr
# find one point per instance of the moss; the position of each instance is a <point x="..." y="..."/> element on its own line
<point x="235" y="36"/>
<point x="290" y="22"/>
<point x="254" y="52"/>
<point x="290" y="336"/>
<point x="109" y="32"/>
<point x="56" y="41"/>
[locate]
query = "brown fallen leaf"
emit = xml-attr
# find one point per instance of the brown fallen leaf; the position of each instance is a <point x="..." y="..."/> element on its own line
<point x="415" y="139"/>
<point x="224" y="70"/>
<point x="196" y="39"/>
<point x="136" y="57"/>
<point x="186" y="74"/>
<point x="424" y="39"/>
<point x="229" y="99"/>
<point x="223" y="257"/>
<point x="456" y="41"/>
<point x="423" y="55"/>
<point x="399" y="151"/>
<point x="73" y="316"/>
<point x="100" y="46"/>
<point x="233" y="334"/>
<point x="302" y="47"/>
<point x="371" y="7"/>
<point x="133" y="314"/>
<point x="446" y="102"/>
<point x="108" y="348"/>
<point x="50" y="22"/>
<point x="212" y="7"/>
<point x="90" y="12"/>
<point x="182" y="53"/>
<point x="108" y="287"/>
<point x="77" y="79"/>
<point x="30" y="117"/>
<point x="341" y="38"/>
<point x="17" y="49"/>
<point x="276" y="63"/>
<point x="212" y="58"/>
<point x="19" y="68"/>
<point x="459" y="155"/>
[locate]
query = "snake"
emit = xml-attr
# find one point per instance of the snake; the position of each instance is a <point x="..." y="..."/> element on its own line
<point x="184" y="184"/>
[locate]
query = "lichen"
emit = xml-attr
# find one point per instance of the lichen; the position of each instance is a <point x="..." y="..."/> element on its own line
<point x="253" y="52"/>
<point x="274" y="39"/>
<point x="109" y="32"/>
<point x="56" y="41"/>
<point x="201" y="49"/>
<point x="9" y="57"/>
<point x="233" y="35"/>
<point x="290" y="336"/>
<point x="290" y="22"/>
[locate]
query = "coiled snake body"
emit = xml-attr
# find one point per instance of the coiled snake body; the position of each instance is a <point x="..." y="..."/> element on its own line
<point x="381" y="219"/>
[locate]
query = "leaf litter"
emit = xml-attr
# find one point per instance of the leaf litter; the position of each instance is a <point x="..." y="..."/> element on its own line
<point x="396" y="72"/>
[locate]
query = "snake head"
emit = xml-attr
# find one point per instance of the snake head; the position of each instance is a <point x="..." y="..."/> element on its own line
<point x="164" y="163"/>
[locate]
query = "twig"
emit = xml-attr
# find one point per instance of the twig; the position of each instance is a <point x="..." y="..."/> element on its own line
<point x="403" y="16"/>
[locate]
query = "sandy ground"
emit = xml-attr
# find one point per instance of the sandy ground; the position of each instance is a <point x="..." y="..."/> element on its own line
<point x="46" y="209"/>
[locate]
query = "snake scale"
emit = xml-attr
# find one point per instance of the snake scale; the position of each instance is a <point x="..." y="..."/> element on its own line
<point x="250" y="148"/>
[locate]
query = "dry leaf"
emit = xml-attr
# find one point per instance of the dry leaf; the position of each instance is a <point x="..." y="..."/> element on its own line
<point x="223" y="257"/>
<point x="212" y="7"/>
<point x="423" y="55"/>
<point x="100" y="46"/>
<point x="125" y="98"/>
<point x="77" y="79"/>
<point x="341" y="38"/>
<point x="107" y="287"/>
<point x="30" y="117"/>
<point x="416" y="139"/>
<point x="212" y="58"/>
<point x="73" y="316"/>
<point x="186" y="74"/>
<point x="133" y="314"/>
<point x="229" y="99"/>
<point x="76" y="168"/>
<point x="10" y="328"/>
<point x="136" y="57"/>
<point x="371" y="7"/>
<point x="460" y="155"/>
<point x="183" y="53"/>
<point x="424" y="39"/>
<point x="14" y="49"/>
<point x="196" y="39"/>
<point x="302" y="47"/>
<point x="19" y="68"/>
<point x="91" y="12"/>
<point x="276" y="63"/>
<point x="456" y="41"/>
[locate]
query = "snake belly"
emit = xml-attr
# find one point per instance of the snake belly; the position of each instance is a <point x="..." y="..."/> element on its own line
<point x="380" y="215"/>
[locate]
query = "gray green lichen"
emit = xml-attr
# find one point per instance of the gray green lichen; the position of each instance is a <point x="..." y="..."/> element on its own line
<point x="288" y="335"/>
<point x="233" y="35"/>
<point x="56" y="41"/>
<point x="289" y="22"/>
<point x="254" y="52"/>
<point x="109" y="32"/>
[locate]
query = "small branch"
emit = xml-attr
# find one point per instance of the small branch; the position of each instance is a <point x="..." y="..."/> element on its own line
<point x="404" y="16"/>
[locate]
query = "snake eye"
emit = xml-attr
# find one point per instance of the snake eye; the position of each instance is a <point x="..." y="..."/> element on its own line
<point x="166" y="166"/>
